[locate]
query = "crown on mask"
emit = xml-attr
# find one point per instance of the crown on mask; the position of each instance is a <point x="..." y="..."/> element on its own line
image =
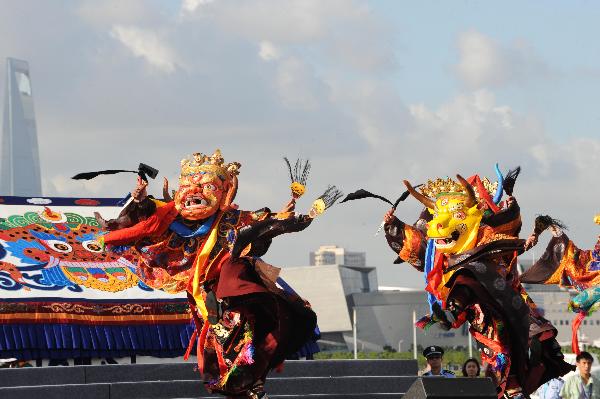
<point x="199" y="163"/>
<point x="434" y="188"/>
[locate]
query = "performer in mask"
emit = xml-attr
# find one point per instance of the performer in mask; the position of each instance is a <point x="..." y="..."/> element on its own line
<point x="200" y="242"/>
<point x="466" y="242"/>
<point x="564" y="264"/>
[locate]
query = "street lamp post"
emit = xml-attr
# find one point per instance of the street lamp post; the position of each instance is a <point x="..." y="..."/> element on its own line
<point x="414" y="334"/>
<point x="470" y="343"/>
<point x="354" y="332"/>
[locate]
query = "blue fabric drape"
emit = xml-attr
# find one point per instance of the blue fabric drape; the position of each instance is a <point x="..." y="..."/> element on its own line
<point x="429" y="260"/>
<point x="60" y="341"/>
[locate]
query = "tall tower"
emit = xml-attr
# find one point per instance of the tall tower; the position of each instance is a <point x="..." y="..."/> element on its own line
<point x="20" y="173"/>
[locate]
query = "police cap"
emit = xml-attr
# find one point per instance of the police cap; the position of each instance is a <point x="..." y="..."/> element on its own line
<point x="433" y="350"/>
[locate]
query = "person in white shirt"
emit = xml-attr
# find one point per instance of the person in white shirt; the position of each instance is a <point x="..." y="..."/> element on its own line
<point x="581" y="385"/>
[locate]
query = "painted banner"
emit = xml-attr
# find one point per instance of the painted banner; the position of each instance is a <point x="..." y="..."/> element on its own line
<point x="63" y="296"/>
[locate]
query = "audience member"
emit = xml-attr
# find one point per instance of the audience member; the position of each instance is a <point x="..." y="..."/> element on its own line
<point x="581" y="384"/>
<point x="551" y="389"/>
<point x="434" y="355"/>
<point x="471" y="368"/>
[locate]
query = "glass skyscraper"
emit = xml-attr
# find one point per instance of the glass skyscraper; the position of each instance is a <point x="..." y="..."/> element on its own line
<point x="20" y="173"/>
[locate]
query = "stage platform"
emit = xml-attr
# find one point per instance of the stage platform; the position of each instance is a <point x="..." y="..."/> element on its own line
<point x="316" y="379"/>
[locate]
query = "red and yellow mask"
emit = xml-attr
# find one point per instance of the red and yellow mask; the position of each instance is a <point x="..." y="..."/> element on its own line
<point x="206" y="185"/>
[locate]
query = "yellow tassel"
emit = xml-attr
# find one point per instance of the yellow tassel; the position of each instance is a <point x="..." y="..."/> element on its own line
<point x="200" y="265"/>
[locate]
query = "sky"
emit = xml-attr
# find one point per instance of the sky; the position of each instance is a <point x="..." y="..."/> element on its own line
<point x="372" y="92"/>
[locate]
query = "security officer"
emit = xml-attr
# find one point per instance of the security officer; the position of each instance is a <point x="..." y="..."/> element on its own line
<point x="434" y="355"/>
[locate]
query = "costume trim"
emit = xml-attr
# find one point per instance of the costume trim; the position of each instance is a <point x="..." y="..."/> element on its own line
<point x="201" y="268"/>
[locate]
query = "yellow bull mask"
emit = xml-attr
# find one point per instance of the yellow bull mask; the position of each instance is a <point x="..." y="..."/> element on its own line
<point x="456" y="216"/>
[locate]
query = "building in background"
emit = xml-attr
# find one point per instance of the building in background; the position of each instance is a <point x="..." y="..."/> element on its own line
<point x="20" y="173"/>
<point x="356" y="275"/>
<point x="334" y="255"/>
<point x="383" y="316"/>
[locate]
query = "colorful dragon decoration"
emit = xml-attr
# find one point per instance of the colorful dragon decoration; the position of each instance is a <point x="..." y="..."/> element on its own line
<point x="64" y="249"/>
<point x="68" y="298"/>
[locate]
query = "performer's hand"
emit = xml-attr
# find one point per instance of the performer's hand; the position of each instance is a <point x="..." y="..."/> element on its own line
<point x="509" y="201"/>
<point x="290" y="206"/>
<point x="389" y="216"/>
<point x="166" y="195"/>
<point x="100" y="220"/>
<point x="139" y="193"/>
<point x="597" y="219"/>
<point x="531" y="241"/>
<point x="556" y="231"/>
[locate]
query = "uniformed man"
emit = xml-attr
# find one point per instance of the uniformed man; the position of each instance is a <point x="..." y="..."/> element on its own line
<point x="434" y="355"/>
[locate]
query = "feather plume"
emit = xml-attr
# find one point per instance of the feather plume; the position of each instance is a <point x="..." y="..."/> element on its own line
<point x="510" y="179"/>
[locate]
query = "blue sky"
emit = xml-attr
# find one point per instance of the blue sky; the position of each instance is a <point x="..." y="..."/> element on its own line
<point x="372" y="92"/>
<point x="562" y="35"/>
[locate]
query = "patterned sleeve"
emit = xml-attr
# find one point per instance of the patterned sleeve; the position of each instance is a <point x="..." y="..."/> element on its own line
<point x="249" y="217"/>
<point x="407" y="241"/>
<point x="256" y="230"/>
<point x="563" y="263"/>
<point x="154" y="225"/>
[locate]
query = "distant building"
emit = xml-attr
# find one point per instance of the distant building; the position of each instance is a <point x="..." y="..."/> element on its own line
<point x="334" y="255"/>
<point x="355" y="274"/>
<point x="384" y="314"/>
<point x="20" y="173"/>
<point x="323" y="287"/>
<point x="384" y="318"/>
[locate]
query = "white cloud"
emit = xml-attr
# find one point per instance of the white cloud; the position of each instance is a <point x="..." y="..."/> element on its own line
<point x="379" y="114"/>
<point x="541" y="153"/>
<point x="103" y="14"/>
<point x="61" y="185"/>
<point x="294" y="21"/>
<point x="343" y="32"/>
<point x="147" y="45"/>
<point x="297" y="85"/>
<point x="474" y="130"/>
<point x="192" y="5"/>
<point x="268" y="51"/>
<point x="189" y="7"/>
<point x="484" y="62"/>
